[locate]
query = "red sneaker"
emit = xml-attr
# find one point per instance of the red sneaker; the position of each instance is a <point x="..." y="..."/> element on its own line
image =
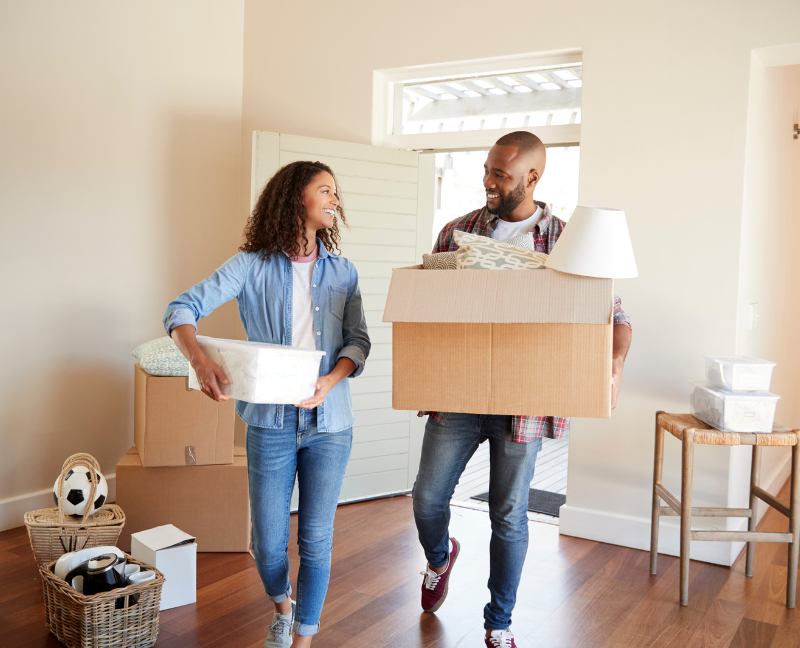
<point x="434" y="586"/>
<point x="500" y="639"/>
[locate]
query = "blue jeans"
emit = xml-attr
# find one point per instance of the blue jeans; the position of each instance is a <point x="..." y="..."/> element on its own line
<point x="446" y="449"/>
<point x="319" y="460"/>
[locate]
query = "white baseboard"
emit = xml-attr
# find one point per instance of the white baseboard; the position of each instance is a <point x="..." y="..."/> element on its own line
<point x="634" y="532"/>
<point x="13" y="509"/>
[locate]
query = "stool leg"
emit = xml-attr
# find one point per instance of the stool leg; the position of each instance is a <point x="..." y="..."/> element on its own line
<point x="657" y="472"/>
<point x="687" y="472"/>
<point x="794" y="529"/>
<point x="755" y="478"/>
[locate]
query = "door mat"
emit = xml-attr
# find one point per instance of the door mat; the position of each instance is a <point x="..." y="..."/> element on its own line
<point x="539" y="501"/>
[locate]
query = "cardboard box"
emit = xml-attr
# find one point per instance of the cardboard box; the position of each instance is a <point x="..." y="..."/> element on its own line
<point x="174" y="554"/>
<point x="175" y="426"/>
<point x="530" y="342"/>
<point x="211" y="503"/>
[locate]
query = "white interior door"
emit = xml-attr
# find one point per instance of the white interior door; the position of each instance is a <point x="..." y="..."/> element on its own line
<point x="388" y="196"/>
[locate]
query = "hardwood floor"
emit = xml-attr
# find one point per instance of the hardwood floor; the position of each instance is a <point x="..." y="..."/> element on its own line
<point x="574" y="593"/>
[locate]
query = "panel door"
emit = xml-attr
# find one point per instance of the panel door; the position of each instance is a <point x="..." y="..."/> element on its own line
<point x="388" y="200"/>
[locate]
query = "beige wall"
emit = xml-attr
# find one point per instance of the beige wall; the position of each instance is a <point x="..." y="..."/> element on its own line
<point x="120" y="145"/>
<point x="770" y="266"/>
<point x="665" y="100"/>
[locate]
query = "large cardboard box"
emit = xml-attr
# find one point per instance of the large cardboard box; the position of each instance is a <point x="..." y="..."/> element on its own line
<point x="211" y="503"/>
<point x="176" y="426"/>
<point x="531" y="342"/>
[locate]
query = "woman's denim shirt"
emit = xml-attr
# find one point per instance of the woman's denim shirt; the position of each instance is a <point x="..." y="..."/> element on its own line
<point x="263" y="290"/>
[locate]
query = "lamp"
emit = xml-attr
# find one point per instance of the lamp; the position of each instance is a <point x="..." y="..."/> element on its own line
<point x="595" y="243"/>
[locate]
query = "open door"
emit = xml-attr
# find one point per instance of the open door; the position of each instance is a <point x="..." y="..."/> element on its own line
<point x="388" y="196"/>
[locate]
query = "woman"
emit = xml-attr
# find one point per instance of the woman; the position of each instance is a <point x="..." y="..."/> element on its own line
<point x="291" y="290"/>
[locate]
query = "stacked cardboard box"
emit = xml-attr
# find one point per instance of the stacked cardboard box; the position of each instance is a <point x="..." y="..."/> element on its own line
<point x="184" y="469"/>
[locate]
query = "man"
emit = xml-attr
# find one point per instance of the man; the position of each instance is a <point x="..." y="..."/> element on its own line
<point x="513" y="169"/>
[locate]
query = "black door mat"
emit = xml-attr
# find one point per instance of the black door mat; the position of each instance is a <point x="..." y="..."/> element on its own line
<point x="539" y="501"/>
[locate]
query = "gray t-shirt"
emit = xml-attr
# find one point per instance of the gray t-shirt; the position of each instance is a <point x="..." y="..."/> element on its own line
<point x="506" y="230"/>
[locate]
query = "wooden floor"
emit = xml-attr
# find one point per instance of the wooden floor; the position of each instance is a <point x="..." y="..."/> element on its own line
<point x="574" y="593"/>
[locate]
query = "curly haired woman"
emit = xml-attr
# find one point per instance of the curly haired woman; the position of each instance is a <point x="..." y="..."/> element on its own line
<point x="292" y="290"/>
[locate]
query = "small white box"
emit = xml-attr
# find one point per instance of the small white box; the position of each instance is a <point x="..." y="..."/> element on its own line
<point x="739" y="373"/>
<point x="174" y="554"/>
<point x="731" y="412"/>
<point x="261" y="372"/>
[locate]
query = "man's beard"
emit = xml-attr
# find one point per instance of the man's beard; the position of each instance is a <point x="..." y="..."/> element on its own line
<point x="510" y="202"/>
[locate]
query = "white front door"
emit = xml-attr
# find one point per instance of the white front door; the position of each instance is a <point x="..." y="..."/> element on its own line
<point x="388" y="197"/>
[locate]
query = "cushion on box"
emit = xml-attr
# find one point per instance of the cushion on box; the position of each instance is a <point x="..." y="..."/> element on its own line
<point x="447" y="260"/>
<point x="160" y="357"/>
<point x="482" y="253"/>
<point x="439" y="261"/>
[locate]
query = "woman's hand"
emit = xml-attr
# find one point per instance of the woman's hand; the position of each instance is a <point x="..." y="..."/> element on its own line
<point x="210" y="377"/>
<point x="323" y="386"/>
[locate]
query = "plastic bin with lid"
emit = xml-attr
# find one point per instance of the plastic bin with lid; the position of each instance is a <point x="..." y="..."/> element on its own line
<point x="262" y="373"/>
<point x="739" y="373"/>
<point x="732" y="412"/>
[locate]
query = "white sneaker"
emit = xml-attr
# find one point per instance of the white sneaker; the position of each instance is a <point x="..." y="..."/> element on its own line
<point x="280" y="631"/>
<point x="500" y="639"/>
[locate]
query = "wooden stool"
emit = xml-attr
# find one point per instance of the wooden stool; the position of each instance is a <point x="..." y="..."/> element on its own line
<point x="691" y="431"/>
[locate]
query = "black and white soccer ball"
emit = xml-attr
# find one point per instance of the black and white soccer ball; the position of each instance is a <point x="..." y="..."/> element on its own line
<point x="77" y="490"/>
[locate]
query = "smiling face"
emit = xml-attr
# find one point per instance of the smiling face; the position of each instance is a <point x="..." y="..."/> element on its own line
<point x="509" y="178"/>
<point x="320" y="201"/>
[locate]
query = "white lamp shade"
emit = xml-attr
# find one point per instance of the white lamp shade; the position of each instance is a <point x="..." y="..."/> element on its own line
<point x="595" y="243"/>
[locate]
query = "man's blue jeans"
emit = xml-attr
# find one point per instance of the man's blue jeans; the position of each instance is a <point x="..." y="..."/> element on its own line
<point x="319" y="460"/>
<point x="446" y="449"/>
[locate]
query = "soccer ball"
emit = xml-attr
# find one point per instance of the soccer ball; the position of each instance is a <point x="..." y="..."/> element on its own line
<point x="78" y="488"/>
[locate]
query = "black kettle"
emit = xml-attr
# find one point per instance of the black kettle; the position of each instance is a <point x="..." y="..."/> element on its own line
<point x="98" y="574"/>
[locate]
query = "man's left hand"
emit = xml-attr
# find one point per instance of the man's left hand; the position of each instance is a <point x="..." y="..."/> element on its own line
<point x="616" y="380"/>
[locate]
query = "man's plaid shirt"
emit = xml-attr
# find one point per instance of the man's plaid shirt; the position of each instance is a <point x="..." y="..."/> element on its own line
<point x="545" y="235"/>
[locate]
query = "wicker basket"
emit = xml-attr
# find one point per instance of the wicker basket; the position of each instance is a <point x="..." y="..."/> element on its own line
<point x="79" y="621"/>
<point x="53" y="534"/>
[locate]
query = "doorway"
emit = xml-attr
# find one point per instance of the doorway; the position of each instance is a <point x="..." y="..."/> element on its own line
<point x="459" y="191"/>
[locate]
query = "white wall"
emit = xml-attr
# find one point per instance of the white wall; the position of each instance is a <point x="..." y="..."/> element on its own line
<point x="665" y="101"/>
<point x="119" y="187"/>
<point x="770" y="266"/>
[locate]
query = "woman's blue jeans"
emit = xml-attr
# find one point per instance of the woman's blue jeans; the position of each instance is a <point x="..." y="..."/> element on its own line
<point x="319" y="460"/>
<point x="446" y="449"/>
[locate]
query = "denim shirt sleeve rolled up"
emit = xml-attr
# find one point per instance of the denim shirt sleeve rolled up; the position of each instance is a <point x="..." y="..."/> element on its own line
<point x="262" y="288"/>
<point x="354" y="328"/>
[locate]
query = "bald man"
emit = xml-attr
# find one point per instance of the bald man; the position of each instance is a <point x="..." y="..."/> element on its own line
<point x="513" y="169"/>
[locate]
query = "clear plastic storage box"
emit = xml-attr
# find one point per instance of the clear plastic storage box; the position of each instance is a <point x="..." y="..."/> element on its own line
<point x="732" y="412"/>
<point x="263" y="373"/>
<point x="739" y="373"/>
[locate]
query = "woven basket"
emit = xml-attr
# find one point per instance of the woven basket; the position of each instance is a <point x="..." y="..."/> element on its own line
<point x="52" y="533"/>
<point x="79" y="621"/>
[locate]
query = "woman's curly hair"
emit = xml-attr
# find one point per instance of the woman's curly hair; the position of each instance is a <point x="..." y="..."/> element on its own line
<point x="278" y="221"/>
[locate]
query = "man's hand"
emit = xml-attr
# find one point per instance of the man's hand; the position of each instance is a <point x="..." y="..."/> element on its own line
<point x="210" y="377"/>
<point x="323" y="386"/>
<point x="616" y="378"/>
<point x="622" y="342"/>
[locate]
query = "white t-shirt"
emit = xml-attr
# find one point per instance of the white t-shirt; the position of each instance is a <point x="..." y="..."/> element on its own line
<point x="302" y="308"/>
<point x="506" y="230"/>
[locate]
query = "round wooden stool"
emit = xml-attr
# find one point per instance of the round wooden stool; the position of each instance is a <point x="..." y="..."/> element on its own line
<point x="691" y="431"/>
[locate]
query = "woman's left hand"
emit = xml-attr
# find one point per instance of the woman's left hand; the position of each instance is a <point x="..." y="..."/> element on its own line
<point x="323" y="386"/>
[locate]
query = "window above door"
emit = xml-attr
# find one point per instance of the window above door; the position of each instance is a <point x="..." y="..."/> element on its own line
<point x="469" y="105"/>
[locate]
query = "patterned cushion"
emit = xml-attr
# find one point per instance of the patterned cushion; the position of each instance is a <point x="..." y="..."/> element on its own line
<point x="439" y="261"/>
<point x="447" y="260"/>
<point x="483" y="253"/>
<point x="161" y="357"/>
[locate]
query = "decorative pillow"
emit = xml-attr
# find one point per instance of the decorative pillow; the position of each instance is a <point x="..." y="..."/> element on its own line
<point x="521" y="240"/>
<point x="483" y="253"/>
<point x="161" y="357"/>
<point x="439" y="261"/>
